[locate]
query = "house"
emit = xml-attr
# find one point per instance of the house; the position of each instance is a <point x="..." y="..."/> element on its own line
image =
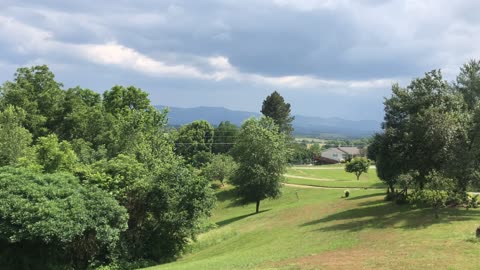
<point x="341" y="153"/>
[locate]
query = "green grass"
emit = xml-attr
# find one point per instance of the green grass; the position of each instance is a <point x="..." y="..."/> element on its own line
<point x="336" y="184"/>
<point x="317" y="229"/>
<point x="334" y="174"/>
<point x="337" y="166"/>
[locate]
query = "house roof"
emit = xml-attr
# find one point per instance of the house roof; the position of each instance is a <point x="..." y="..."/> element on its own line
<point x="350" y="150"/>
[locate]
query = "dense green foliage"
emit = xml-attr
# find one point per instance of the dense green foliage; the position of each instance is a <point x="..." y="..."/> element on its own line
<point x="97" y="180"/>
<point x="357" y="165"/>
<point x="261" y="152"/>
<point x="51" y="221"/>
<point x="224" y="137"/>
<point x="221" y="167"/>
<point x="14" y="138"/>
<point x="429" y="138"/>
<point x="303" y="153"/>
<point x="194" y="142"/>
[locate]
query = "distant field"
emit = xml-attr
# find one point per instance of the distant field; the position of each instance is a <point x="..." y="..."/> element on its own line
<point x="316" y="229"/>
<point x="310" y="140"/>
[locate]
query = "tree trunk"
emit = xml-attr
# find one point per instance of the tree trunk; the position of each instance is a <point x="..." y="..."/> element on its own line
<point x="258" y="206"/>
<point x="358" y="177"/>
<point x="392" y="188"/>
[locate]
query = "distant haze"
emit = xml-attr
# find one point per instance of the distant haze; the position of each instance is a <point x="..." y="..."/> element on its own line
<point x="304" y="125"/>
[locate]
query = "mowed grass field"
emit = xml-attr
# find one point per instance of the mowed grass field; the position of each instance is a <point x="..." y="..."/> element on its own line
<point x="332" y="176"/>
<point x="310" y="228"/>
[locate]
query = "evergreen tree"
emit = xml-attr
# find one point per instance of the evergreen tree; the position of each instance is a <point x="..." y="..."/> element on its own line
<point x="274" y="106"/>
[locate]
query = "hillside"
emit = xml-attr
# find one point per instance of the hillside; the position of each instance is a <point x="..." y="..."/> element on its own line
<point x="310" y="228"/>
<point x="304" y="125"/>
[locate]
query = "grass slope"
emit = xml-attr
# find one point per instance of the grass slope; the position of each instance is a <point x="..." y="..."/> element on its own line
<point x="332" y="176"/>
<point x="316" y="229"/>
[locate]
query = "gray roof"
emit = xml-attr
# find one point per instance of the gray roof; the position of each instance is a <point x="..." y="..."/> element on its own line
<point x="350" y="150"/>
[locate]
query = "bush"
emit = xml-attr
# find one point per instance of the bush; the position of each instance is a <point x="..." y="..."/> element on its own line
<point x="471" y="201"/>
<point x="50" y="221"/>
<point x="346" y="193"/>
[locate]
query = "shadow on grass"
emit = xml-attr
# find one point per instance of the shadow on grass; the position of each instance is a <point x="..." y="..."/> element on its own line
<point x="351" y="198"/>
<point x="231" y="220"/>
<point x="388" y="215"/>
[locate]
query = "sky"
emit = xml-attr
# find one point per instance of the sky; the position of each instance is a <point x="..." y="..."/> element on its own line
<point x="328" y="58"/>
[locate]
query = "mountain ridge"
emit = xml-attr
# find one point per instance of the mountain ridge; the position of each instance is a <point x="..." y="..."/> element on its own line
<point x="303" y="125"/>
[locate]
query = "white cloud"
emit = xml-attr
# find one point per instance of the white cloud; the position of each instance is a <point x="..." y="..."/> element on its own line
<point x="118" y="55"/>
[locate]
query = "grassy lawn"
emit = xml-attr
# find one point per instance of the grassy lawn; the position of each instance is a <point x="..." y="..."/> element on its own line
<point x="337" y="166"/>
<point x="332" y="177"/>
<point x="336" y="184"/>
<point x="334" y="174"/>
<point x="316" y="229"/>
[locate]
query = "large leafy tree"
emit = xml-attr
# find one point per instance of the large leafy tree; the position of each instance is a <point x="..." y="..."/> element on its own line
<point x="50" y="221"/>
<point x="388" y="159"/>
<point x="261" y="152"/>
<point x="194" y="140"/>
<point x="83" y="116"/>
<point x="425" y="120"/>
<point x="275" y="107"/>
<point x="121" y="98"/>
<point x="224" y="137"/>
<point x="35" y="91"/>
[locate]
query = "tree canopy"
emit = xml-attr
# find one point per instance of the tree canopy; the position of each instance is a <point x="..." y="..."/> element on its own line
<point x="88" y="165"/>
<point x="275" y="107"/>
<point x="261" y="152"/>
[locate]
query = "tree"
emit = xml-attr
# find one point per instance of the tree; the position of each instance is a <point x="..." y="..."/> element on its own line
<point x="426" y="121"/>
<point x="300" y="154"/>
<point x="55" y="156"/>
<point x="224" y="137"/>
<point x="50" y="221"/>
<point x="468" y="83"/>
<point x="35" y="91"/>
<point x="83" y="116"/>
<point x="261" y="152"/>
<point x="388" y="159"/>
<point x="120" y="150"/>
<point x="165" y="205"/>
<point x="221" y="167"/>
<point x="121" y="98"/>
<point x="15" y="140"/>
<point x="274" y="106"/>
<point x="193" y="139"/>
<point x="357" y="165"/>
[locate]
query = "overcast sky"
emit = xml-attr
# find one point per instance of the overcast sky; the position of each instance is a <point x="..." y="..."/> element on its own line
<point x="326" y="57"/>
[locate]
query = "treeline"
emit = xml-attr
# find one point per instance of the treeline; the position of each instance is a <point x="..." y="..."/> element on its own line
<point x="93" y="181"/>
<point x="430" y="142"/>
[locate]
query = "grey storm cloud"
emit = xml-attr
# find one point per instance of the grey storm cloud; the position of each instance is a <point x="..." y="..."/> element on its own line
<point x="228" y="53"/>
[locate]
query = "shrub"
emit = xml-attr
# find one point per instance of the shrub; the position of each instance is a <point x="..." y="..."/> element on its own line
<point x="471" y="201"/>
<point x="346" y="193"/>
<point x="50" y="221"/>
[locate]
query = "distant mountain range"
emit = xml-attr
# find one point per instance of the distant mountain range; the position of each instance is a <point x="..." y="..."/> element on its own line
<point x="303" y="125"/>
